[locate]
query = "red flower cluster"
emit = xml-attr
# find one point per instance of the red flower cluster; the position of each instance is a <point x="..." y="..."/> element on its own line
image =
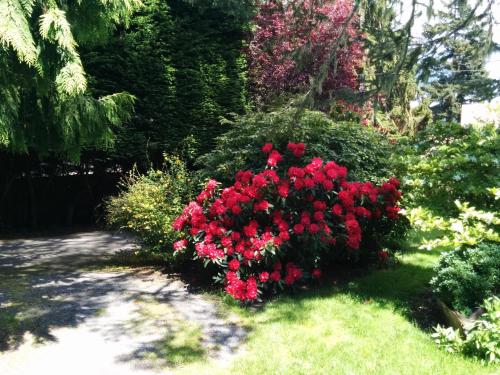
<point x="253" y="223"/>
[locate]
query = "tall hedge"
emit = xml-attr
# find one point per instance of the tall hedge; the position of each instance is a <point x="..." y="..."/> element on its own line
<point x="186" y="67"/>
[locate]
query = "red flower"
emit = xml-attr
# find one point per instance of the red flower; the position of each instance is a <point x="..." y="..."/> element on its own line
<point x="234" y="265"/>
<point x="296" y="172"/>
<point x="293" y="273"/>
<point x="277" y="241"/>
<point x="394" y="181"/>
<point x="298" y="184"/>
<point x="226" y="242"/>
<point x="260" y="206"/>
<point x="337" y="209"/>
<point x="275" y="276"/>
<point x="392" y="212"/>
<point x="314" y="228"/>
<point x="248" y="254"/>
<point x="283" y="189"/>
<point x="289" y="279"/>
<point x="244" y="177"/>
<point x="361" y="211"/>
<point x="353" y="233"/>
<point x="319" y="205"/>
<point x="179" y="223"/>
<point x="267" y="148"/>
<point x="274" y="158"/>
<point x="180" y="245"/>
<point x="298" y="229"/>
<point x="383" y="254"/>
<point x="316" y="273"/>
<point x="305" y="219"/>
<point x="308" y="182"/>
<point x="319" y="216"/>
<point x="297" y="149"/>
<point x="271" y="175"/>
<point x="211" y="185"/>
<point x="285" y="236"/>
<point x="251" y="289"/>
<point x="259" y="181"/>
<point x="250" y="230"/>
<point x="327" y="185"/>
<point x="236" y="209"/>
<point x="346" y="199"/>
<point x="263" y="277"/>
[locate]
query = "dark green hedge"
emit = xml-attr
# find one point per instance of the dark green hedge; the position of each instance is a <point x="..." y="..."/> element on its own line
<point x="186" y="67"/>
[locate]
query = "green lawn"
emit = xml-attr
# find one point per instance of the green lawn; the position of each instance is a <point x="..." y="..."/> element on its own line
<point x="363" y="328"/>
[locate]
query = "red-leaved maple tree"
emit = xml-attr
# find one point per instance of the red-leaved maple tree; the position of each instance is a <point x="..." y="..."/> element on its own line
<point x="292" y="40"/>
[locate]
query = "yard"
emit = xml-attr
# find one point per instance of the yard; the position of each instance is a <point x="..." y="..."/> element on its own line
<point x="249" y="187"/>
<point x="370" y="326"/>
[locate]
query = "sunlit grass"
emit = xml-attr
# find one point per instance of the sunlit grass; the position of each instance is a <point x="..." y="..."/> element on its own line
<point x="362" y="328"/>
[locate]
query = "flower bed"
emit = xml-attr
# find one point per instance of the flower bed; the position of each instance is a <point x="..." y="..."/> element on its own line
<point x="275" y="227"/>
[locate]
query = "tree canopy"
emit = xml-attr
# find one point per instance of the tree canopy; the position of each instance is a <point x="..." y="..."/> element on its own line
<point x="455" y="72"/>
<point x="45" y="105"/>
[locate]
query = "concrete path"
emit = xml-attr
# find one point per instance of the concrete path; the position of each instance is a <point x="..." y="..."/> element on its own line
<point x="56" y="317"/>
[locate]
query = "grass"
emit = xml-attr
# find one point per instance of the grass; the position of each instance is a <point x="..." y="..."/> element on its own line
<point x="182" y="342"/>
<point x="365" y="327"/>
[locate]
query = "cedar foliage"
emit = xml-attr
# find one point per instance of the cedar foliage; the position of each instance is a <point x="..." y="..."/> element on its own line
<point x="45" y="105"/>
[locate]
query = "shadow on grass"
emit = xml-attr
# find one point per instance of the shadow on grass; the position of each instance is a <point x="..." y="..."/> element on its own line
<point x="182" y="345"/>
<point x="403" y="288"/>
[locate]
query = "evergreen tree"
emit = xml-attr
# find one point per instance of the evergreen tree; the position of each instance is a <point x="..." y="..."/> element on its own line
<point x="454" y="69"/>
<point x="45" y="106"/>
<point x="185" y="65"/>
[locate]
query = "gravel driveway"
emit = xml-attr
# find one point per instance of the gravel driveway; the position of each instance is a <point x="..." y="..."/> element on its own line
<point x="56" y="317"/>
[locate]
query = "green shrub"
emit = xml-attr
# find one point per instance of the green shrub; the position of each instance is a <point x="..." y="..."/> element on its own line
<point x="471" y="227"/>
<point x="366" y="153"/>
<point x="465" y="277"/>
<point x="447" y="162"/>
<point x="482" y="339"/>
<point x="147" y="204"/>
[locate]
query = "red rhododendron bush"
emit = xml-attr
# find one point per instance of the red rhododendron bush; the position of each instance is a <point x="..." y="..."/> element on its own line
<point x="277" y="227"/>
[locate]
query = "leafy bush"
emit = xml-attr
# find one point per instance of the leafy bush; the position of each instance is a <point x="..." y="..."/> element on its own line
<point x="482" y="339"/>
<point x="471" y="227"/>
<point x="149" y="203"/>
<point x="448" y="162"/>
<point x="287" y="214"/>
<point x="465" y="277"/>
<point x="366" y="153"/>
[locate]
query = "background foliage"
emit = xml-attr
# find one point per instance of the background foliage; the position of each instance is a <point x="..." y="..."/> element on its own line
<point x="365" y="152"/>
<point x="45" y="105"/>
<point x="446" y="162"/>
<point x="148" y="203"/>
<point x="186" y="67"/>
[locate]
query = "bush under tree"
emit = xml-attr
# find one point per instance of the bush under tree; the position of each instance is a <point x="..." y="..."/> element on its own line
<point x="277" y="225"/>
